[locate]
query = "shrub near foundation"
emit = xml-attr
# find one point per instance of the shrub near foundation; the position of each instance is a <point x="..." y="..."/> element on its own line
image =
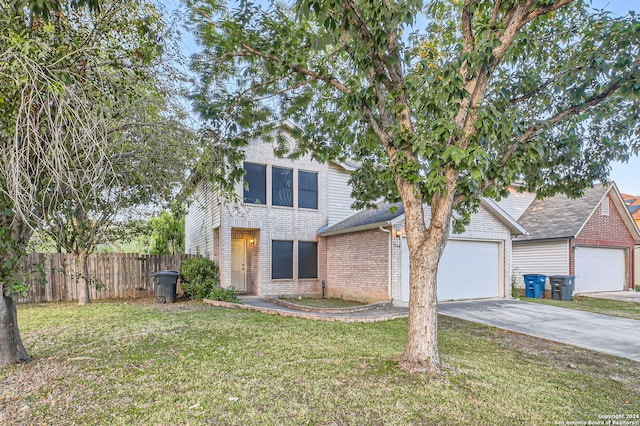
<point x="201" y="280"/>
<point x="199" y="277"/>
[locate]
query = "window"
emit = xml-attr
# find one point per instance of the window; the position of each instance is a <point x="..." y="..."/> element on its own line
<point x="307" y="190"/>
<point x="255" y="186"/>
<point x="307" y="259"/>
<point x="281" y="260"/>
<point x="281" y="187"/>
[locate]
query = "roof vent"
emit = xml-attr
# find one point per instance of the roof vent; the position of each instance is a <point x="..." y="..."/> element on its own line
<point x="604" y="207"/>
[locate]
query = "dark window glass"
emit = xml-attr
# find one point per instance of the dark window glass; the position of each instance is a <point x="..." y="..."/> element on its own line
<point x="307" y="190"/>
<point x="281" y="260"/>
<point x="255" y="186"/>
<point x="281" y="187"/>
<point x="307" y="260"/>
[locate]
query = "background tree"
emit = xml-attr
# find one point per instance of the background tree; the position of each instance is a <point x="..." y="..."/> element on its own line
<point x="167" y="236"/>
<point x="443" y="102"/>
<point x="87" y="131"/>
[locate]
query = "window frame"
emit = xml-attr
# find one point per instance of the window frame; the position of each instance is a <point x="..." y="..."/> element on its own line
<point x="246" y="184"/>
<point x="302" y="190"/>
<point x="275" y="196"/>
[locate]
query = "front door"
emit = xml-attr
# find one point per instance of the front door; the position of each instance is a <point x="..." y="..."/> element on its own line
<point x="238" y="262"/>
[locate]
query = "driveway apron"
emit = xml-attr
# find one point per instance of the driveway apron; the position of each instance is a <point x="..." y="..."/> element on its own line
<point x="601" y="333"/>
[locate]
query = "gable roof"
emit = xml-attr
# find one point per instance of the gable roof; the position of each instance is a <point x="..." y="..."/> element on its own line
<point x="382" y="215"/>
<point x="560" y="217"/>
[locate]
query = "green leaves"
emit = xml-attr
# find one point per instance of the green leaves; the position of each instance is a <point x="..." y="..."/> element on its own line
<point x="361" y="82"/>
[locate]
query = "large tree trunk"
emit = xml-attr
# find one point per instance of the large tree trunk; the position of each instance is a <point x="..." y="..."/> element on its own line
<point x="422" y="352"/>
<point x="82" y="278"/>
<point x="11" y="349"/>
<point x="426" y="245"/>
<point x="14" y="234"/>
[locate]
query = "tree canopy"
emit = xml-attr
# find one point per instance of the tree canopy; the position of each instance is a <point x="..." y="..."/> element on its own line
<point x="89" y="127"/>
<point x="442" y="102"/>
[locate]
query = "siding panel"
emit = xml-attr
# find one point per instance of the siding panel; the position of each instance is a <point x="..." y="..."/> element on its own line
<point x="199" y="221"/>
<point x="546" y="258"/>
<point x="516" y="203"/>
<point x="339" y="194"/>
<point x="636" y="265"/>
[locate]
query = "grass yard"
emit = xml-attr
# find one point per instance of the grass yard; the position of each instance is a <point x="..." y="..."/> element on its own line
<point x="131" y="363"/>
<point x="614" y="308"/>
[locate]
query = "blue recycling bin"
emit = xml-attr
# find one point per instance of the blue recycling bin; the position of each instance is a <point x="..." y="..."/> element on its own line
<point x="534" y="285"/>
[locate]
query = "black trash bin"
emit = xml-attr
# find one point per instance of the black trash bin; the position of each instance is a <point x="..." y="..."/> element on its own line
<point x="562" y="287"/>
<point x="166" y="282"/>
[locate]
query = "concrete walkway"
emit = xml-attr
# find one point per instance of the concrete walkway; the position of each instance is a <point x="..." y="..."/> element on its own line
<point x="376" y="312"/>
<point x="623" y="296"/>
<point x="601" y="333"/>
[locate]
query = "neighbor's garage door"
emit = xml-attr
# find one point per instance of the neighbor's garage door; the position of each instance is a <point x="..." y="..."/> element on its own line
<point x="599" y="269"/>
<point x="467" y="270"/>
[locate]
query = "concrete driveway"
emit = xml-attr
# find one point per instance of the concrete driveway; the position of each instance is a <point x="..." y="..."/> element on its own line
<point x="623" y="296"/>
<point x="601" y="333"/>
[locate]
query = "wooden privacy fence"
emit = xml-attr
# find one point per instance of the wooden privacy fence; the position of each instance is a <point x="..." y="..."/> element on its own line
<point x="121" y="275"/>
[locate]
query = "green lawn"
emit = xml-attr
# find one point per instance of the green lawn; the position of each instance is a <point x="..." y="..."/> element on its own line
<point x="127" y="363"/>
<point x="592" y="304"/>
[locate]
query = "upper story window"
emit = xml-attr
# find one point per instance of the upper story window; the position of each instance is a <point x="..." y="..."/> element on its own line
<point x="307" y="190"/>
<point x="255" y="183"/>
<point x="281" y="187"/>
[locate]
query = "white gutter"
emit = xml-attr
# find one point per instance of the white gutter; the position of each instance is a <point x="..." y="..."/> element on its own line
<point x="388" y="260"/>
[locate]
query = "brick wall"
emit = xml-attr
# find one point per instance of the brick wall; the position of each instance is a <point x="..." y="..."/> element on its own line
<point x="605" y="231"/>
<point x="357" y="267"/>
<point x="266" y="223"/>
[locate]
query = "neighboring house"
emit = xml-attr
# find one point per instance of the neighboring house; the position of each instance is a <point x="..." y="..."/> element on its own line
<point x="633" y="205"/>
<point x="591" y="237"/>
<point x="294" y="233"/>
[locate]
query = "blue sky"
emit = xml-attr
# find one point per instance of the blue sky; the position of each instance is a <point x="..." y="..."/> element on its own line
<point x="626" y="176"/>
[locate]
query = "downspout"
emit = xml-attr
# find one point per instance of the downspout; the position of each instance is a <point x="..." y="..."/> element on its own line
<point x="388" y="260"/>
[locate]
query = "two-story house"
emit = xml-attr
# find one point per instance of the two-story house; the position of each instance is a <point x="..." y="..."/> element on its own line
<point x="294" y="233"/>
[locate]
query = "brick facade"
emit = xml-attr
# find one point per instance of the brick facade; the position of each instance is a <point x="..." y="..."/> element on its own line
<point x="260" y="224"/>
<point x="357" y="266"/>
<point x="605" y="231"/>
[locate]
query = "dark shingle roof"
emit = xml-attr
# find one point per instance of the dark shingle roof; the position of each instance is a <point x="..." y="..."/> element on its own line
<point x="366" y="218"/>
<point x="560" y="216"/>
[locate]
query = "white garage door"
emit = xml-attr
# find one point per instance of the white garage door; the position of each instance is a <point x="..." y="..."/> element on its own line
<point x="468" y="270"/>
<point x="599" y="269"/>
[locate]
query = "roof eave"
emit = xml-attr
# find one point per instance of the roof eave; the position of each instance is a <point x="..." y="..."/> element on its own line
<point x="511" y="223"/>
<point x="365" y="227"/>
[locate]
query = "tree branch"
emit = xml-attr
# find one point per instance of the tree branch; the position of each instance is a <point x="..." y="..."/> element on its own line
<point x="297" y="68"/>
<point x="562" y="115"/>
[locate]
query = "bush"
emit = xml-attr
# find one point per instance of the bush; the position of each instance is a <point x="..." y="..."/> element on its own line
<point x="200" y="276"/>
<point x="224" y="294"/>
<point x="201" y="280"/>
